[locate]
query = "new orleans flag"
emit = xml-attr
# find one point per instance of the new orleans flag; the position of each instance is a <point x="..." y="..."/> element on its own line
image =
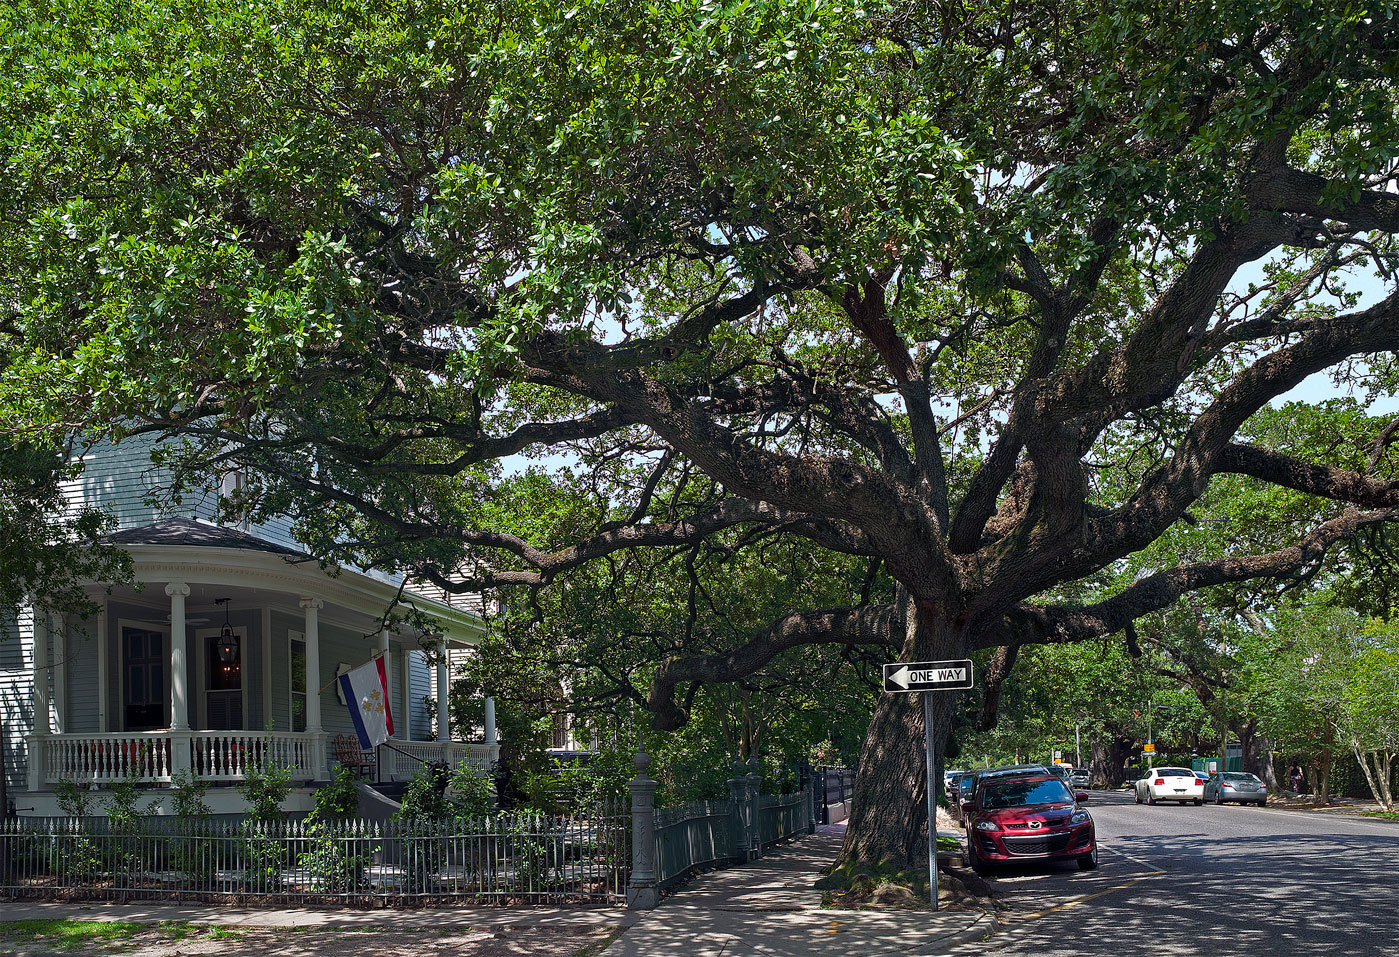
<point x="367" y="694"/>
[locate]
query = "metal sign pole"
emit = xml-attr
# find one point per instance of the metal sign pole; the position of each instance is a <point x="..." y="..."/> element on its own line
<point x="932" y="800"/>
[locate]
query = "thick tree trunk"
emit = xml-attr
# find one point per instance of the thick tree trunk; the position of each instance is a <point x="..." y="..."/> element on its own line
<point x="1254" y="760"/>
<point x="1322" y="791"/>
<point x="1110" y="759"/>
<point x="888" y="816"/>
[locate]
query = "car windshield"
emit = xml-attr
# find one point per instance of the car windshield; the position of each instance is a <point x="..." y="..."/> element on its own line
<point x="1235" y="776"/>
<point x="1023" y="793"/>
<point x="1174" y="773"/>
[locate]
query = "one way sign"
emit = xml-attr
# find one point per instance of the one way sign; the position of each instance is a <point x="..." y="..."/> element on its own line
<point x="928" y="675"/>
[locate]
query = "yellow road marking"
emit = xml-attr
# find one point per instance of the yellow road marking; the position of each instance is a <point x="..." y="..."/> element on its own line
<point x="1085" y="899"/>
<point x="835" y="927"/>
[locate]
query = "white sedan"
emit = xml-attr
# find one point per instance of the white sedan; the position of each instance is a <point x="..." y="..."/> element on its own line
<point x="1170" y="784"/>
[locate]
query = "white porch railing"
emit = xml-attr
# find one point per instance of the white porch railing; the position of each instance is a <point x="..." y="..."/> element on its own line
<point x="227" y="755"/>
<point x="153" y="757"/>
<point x="102" y="758"/>
<point x="400" y="760"/>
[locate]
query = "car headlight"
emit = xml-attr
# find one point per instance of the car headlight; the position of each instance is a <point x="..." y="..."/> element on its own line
<point x="986" y="826"/>
<point x="1079" y="817"/>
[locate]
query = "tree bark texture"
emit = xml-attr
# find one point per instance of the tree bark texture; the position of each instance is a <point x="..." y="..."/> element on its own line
<point x="892" y="778"/>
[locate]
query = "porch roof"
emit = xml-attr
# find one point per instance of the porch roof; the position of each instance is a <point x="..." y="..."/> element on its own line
<point x="185" y="531"/>
<point x="202" y="553"/>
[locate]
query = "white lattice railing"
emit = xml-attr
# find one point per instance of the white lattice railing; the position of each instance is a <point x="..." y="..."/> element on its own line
<point x="227" y="755"/>
<point x="396" y="765"/>
<point x="152" y="757"/>
<point x="106" y="757"/>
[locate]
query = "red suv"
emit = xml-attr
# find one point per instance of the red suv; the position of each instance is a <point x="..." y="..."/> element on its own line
<point x="1035" y="817"/>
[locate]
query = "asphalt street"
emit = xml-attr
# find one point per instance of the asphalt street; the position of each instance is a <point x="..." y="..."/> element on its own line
<point x="1211" y="880"/>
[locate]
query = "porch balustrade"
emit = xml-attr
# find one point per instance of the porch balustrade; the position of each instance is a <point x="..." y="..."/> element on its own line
<point x="153" y="757"/>
<point x="400" y="760"/>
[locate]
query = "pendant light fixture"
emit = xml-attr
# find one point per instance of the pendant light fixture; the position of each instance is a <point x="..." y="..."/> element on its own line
<point x="228" y="641"/>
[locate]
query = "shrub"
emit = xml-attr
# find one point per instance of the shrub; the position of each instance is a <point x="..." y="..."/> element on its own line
<point x="74" y="854"/>
<point x="265" y="786"/>
<point x="126" y="822"/>
<point x="192" y="817"/>
<point x="339" y="799"/>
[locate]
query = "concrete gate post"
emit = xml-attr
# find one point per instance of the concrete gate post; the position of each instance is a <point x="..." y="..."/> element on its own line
<point x="755" y="818"/>
<point x="738" y="804"/>
<point x="641" y="888"/>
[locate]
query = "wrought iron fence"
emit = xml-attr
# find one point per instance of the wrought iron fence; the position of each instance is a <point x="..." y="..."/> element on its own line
<point x="532" y="858"/>
<point x="691" y="837"/>
<point x="782" y="817"/>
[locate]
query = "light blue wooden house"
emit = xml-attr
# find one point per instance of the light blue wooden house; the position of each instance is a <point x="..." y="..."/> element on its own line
<point x="224" y="654"/>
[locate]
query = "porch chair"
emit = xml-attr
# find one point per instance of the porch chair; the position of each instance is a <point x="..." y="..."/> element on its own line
<point x="348" y="753"/>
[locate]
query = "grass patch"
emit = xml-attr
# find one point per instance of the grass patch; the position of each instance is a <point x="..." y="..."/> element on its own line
<point x="68" y="935"/>
<point x="598" y="946"/>
<point x="891" y="886"/>
<point x="1387" y="815"/>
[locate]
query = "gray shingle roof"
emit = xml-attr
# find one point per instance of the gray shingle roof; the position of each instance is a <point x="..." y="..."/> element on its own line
<point x="184" y="531"/>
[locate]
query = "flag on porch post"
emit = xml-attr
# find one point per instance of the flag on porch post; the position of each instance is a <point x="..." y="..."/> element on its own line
<point x="367" y="695"/>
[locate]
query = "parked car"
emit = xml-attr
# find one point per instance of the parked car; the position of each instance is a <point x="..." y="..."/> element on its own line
<point x="1170" y="784"/>
<point x="1025" y="817"/>
<point x="969" y="785"/>
<point x="958" y="784"/>
<point x="1060" y="771"/>
<point x="969" y="789"/>
<point x="1237" y="786"/>
<point x="1080" y="779"/>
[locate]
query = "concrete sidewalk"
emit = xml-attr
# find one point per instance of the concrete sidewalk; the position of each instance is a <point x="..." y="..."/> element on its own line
<point x="454" y="918"/>
<point x="770" y="907"/>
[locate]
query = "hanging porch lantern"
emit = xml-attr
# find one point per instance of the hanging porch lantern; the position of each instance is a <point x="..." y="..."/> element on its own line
<point x="228" y="641"/>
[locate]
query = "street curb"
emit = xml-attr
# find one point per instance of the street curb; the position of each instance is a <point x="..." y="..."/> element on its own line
<point x="1343" y="811"/>
<point x="986" y="925"/>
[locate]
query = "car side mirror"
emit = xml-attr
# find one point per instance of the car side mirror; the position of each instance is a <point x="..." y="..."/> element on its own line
<point x="1081" y="796"/>
<point x="968" y="807"/>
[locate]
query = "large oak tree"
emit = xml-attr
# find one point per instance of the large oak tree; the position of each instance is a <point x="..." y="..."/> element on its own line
<point x="977" y="292"/>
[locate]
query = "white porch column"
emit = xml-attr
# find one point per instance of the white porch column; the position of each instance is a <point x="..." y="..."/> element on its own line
<point x="179" y="672"/>
<point x="58" y="639"/>
<point x="311" y="628"/>
<point x="388" y="676"/>
<point x="37" y="742"/>
<point x="406" y="691"/>
<point x="490" y="722"/>
<point x="180" y="744"/>
<point x="444" y="724"/>
<point x="41" y="670"/>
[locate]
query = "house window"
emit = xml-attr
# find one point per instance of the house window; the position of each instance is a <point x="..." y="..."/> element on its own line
<point x="223" y="699"/>
<point x="298" y="684"/>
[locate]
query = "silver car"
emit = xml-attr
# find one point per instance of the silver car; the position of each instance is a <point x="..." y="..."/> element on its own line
<point x="1236" y="786"/>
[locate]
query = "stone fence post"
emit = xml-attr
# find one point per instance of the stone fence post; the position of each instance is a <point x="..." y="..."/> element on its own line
<point x="641" y="888"/>
<point x="809" y="798"/>
<point x="755" y="841"/>
<point x="738" y="804"/>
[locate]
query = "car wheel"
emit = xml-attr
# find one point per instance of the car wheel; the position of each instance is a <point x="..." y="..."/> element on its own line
<point x="1219" y="800"/>
<point x="1199" y="801"/>
<point x="1263" y="803"/>
<point x="1136" y="795"/>
<point x="974" y="859"/>
<point x="1151" y="801"/>
<point x="1089" y="862"/>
